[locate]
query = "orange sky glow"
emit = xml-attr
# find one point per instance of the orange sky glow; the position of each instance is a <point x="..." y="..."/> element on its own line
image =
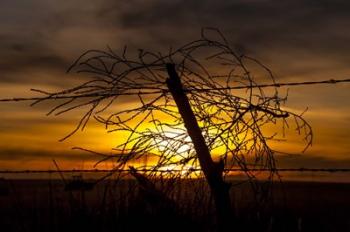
<point x="39" y="58"/>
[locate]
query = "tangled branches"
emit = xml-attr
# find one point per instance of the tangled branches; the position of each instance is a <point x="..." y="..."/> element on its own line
<point x="233" y="122"/>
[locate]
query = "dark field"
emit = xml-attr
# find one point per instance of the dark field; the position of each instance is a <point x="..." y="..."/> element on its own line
<point x="45" y="205"/>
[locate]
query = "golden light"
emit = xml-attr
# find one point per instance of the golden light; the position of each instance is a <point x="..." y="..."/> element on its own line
<point x="174" y="137"/>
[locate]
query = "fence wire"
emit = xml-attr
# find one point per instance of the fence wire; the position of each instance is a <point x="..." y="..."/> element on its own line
<point x="150" y="91"/>
<point x="175" y="170"/>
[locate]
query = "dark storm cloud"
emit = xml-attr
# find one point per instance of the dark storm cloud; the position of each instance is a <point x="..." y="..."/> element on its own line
<point x="28" y="39"/>
<point x="253" y="22"/>
<point x="20" y="70"/>
<point x="296" y="37"/>
<point x="22" y="53"/>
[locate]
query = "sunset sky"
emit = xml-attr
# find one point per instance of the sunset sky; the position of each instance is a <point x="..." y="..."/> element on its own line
<point x="297" y="40"/>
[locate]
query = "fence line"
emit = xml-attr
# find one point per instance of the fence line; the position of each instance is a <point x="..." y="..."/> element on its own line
<point x="277" y="84"/>
<point x="176" y="170"/>
<point x="153" y="91"/>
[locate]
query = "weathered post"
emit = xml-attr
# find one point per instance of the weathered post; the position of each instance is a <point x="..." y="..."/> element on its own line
<point x="213" y="171"/>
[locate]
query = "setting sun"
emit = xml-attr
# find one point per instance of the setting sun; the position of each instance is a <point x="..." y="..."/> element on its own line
<point x="208" y="116"/>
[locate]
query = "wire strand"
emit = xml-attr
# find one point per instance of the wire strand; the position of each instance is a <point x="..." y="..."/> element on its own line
<point x="278" y="85"/>
<point x="176" y="170"/>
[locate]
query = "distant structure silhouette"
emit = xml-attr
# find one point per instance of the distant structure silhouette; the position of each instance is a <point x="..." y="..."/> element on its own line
<point x="78" y="184"/>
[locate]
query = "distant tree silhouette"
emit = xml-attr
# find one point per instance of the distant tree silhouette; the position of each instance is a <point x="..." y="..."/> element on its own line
<point x="182" y="111"/>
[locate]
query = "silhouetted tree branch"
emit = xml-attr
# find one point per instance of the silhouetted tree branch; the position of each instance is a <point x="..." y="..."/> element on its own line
<point x="184" y="109"/>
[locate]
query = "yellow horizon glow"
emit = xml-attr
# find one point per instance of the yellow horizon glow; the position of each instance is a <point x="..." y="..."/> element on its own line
<point x="30" y="130"/>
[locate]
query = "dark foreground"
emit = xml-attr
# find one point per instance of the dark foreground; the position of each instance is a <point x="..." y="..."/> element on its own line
<point x="45" y="205"/>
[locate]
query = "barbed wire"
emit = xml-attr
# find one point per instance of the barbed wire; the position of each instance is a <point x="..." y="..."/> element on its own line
<point x="176" y="170"/>
<point x="150" y="92"/>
